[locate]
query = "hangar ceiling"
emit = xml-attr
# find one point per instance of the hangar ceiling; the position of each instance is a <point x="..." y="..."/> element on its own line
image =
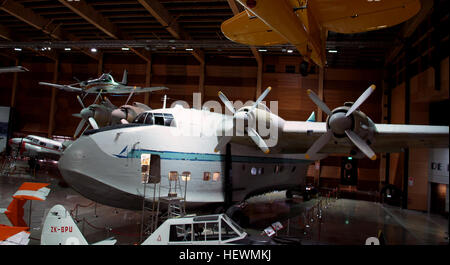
<point x="191" y="21"/>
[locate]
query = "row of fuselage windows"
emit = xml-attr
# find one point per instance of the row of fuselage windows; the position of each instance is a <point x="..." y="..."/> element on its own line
<point x="148" y="118"/>
<point x="36" y="141"/>
<point x="215" y="176"/>
<point x="276" y="170"/>
<point x="186" y="176"/>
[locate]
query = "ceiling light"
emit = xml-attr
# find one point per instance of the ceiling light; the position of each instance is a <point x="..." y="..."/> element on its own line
<point x="290" y="51"/>
<point x="18" y="49"/>
<point x="67" y="49"/>
<point x="262" y="50"/>
<point x="332" y="51"/>
<point x="125" y="49"/>
<point x="189" y="49"/>
<point x="93" y="50"/>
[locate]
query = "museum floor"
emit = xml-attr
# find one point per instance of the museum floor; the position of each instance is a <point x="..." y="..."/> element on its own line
<point x="341" y="222"/>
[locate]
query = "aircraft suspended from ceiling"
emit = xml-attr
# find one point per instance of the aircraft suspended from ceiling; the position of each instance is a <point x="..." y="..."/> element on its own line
<point x="305" y="23"/>
<point x="13" y="69"/>
<point x="104" y="84"/>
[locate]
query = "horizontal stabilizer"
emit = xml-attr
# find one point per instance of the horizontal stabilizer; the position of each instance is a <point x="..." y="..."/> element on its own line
<point x="14" y="235"/>
<point x="32" y="191"/>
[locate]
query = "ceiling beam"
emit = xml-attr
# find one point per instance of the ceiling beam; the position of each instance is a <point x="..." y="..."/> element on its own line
<point x="235" y="8"/>
<point x="95" y="18"/>
<point x="5" y="33"/>
<point x="45" y="25"/>
<point x="162" y="15"/>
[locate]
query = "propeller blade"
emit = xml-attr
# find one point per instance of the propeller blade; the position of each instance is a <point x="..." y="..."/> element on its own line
<point x="79" y="127"/>
<point x="131" y="94"/>
<point x="319" y="102"/>
<point x="98" y="96"/>
<point x="360" y="100"/>
<point x="226" y="102"/>
<point x="258" y="140"/>
<point x="123" y="121"/>
<point x="81" y="102"/>
<point x="93" y="123"/>
<point x="261" y="98"/>
<point x="77" y="115"/>
<point x="361" y="144"/>
<point x="318" y="144"/>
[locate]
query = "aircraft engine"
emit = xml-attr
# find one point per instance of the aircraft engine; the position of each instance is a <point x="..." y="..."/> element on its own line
<point x="346" y="122"/>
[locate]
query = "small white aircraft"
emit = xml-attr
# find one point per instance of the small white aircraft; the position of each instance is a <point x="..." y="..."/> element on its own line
<point x="13" y="69"/>
<point x="104" y="84"/>
<point x="104" y="165"/>
<point x="37" y="147"/>
<point x="60" y="229"/>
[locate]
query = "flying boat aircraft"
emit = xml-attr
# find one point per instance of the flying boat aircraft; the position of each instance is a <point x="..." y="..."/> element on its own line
<point x="305" y="23"/>
<point x="104" y="84"/>
<point x="104" y="165"/>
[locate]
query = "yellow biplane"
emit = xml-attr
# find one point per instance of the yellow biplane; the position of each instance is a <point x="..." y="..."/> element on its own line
<point x="305" y="23"/>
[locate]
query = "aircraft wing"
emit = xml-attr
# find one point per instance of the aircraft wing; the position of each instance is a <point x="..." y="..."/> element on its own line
<point x="297" y="137"/>
<point x="352" y="16"/>
<point x="63" y="87"/>
<point x="14" y="235"/>
<point x="13" y="69"/>
<point x="134" y="89"/>
<point x="250" y="30"/>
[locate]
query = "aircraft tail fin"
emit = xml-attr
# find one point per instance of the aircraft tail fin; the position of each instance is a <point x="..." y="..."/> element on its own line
<point x="125" y="77"/>
<point x="26" y="192"/>
<point x="312" y="117"/>
<point x="60" y="229"/>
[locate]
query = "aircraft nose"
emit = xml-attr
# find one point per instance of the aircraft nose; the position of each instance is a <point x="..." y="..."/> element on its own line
<point x="86" y="113"/>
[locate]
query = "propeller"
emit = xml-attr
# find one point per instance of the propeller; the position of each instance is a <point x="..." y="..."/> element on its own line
<point x="340" y="124"/>
<point x="247" y="117"/>
<point x="86" y="114"/>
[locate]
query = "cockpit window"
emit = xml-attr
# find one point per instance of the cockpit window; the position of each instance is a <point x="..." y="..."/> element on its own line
<point x="140" y="118"/>
<point x="159" y="119"/>
<point x="163" y="119"/>
<point x="149" y="119"/>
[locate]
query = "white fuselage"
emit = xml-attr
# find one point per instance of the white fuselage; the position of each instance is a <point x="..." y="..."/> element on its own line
<point x="105" y="166"/>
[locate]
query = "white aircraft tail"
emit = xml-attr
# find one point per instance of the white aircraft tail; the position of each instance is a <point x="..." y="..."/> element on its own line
<point x="125" y="77"/>
<point x="60" y="229"/>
